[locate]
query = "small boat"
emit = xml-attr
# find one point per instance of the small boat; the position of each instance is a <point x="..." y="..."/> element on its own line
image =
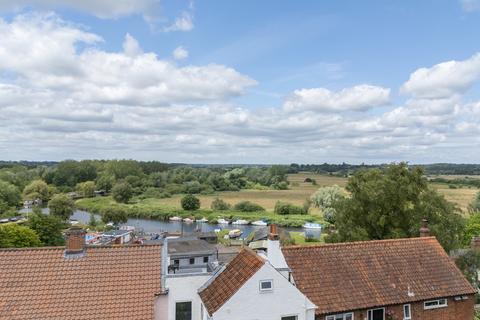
<point x="235" y="233"/>
<point x="311" y="225"/>
<point x="241" y="222"/>
<point x="187" y="220"/>
<point x="203" y="220"/>
<point x="73" y="222"/>
<point x="175" y="218"/>
<point x="259" y="223"/>
<point x="217" y="230"/>
<point x="222" y="221"/>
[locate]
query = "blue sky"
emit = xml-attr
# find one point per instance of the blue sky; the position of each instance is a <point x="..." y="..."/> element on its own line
<point x="249" y="82"/>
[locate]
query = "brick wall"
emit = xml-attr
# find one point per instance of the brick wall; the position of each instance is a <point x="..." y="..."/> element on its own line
<point x="455" y="310"/>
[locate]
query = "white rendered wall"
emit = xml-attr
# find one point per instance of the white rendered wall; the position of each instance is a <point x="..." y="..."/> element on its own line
<point x="250" y="304"/>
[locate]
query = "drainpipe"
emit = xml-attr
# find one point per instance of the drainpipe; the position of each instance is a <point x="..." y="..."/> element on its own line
<point x="164" y="263"/>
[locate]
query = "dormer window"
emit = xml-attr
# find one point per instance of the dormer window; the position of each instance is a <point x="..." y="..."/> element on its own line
<point x="266" y="285"/>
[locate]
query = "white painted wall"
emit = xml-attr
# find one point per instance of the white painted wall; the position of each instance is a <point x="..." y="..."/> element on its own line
<point x="250" y="304"/>
<point x="182" y="289"/>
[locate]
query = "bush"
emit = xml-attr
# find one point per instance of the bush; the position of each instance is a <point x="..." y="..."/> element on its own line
<point x="219" y="204"/>
<point x="190" y="202"/>
<point x="247" y="206"/>
<point x="284" y="208"/>
<point x="61" y="206"/>
<point x="13" y="235"/>
<point x="155" y="193"/>
<point x="282" y="185"/>
<point x="122" y="192"/>
<point x="115" y="215"/>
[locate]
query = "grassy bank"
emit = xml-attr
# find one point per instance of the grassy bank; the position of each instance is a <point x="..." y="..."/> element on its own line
<point x="156" y="210"/>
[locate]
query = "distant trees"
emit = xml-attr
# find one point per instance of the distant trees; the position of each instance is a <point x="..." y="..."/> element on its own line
<point x="248" y="206"/>
<point x="37" y="189"/>
<point x="115" y="215"/>
<point x="61" y="206"/>
<point x="86" y="189"/>
<point x="190" y="202"/>
<point x="122" y="192"/>
<point x="13" y="235"/>
<point x="285" y="208"/>
<point x="49" y="228"/>
<point x="105" y="182"/>
<point x="220" y="205"/>
<point x="325" y="198"/>
<point x="391" y="203"/>
<point x="9" y="196"/>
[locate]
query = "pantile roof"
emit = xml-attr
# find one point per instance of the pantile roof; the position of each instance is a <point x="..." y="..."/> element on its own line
<point x="105" y="283"/>
<point x="359" y="275"/>
<point x="225" y="284"/>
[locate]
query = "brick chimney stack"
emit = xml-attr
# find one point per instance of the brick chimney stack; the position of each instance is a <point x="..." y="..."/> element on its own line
<point x="75" y="241"/>
<point x="475" y="243"/>
<point x="424" y="230"/>
<point x="273" y="235"/>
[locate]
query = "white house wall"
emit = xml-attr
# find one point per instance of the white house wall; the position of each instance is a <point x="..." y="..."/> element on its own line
<point x="249" y="303"/>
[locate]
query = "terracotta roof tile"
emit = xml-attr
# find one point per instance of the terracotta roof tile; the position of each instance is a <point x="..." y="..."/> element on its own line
<point x="359" y="275"/>
<point x="107" y="283"/>
<point x="245" y="264"/>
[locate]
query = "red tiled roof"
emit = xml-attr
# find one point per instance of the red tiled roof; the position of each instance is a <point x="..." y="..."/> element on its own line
<point x="358" y="275"/>
<point x="107" y="283"/>
<point x="245" y="264"/>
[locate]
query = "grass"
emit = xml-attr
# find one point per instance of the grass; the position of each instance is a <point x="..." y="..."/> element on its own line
<point x="299" y="238"/>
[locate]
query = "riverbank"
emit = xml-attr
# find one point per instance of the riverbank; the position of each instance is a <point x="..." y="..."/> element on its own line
<point x="152" y="209"/>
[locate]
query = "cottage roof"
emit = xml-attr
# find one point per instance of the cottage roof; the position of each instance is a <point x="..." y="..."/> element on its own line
<point x="359" y="275"/>
<point x="105" y="283"/>
<point x="189" y="246"/>
<point x="226" y="283"/>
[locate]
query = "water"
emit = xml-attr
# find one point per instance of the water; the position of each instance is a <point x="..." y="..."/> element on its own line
<point x="155" y="226"/>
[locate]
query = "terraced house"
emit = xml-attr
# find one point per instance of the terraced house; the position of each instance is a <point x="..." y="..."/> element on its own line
<point x="402" y="279"/>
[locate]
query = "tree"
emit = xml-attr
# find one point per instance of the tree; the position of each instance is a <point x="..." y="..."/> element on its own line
<point x="92" y="222"/>
<point x="9" y="196"/>
<point x="220" y="205"/>
<point x="61" y="206"/>
<point x="248" y="206"/>
<point x="285" y="208"/>
<point x="13" y="235"/>
<point x="190" y="202"/>
<point x="37" y="189"/>
<point x="472" y="228"/>
<point x="48" y="227"/>
<point x="122" y="192"/>
<point x="86" y="189"/>
<point x="324" y="199"/>
<point x="390" y="203"/>
<point x="105" y="182"/>
<point x="115" y="215"/>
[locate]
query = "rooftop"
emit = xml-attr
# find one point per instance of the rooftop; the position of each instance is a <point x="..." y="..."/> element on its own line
<point x="189" y="246"/>
<point x="358" y="275"/>
<point x="105" y="283"/>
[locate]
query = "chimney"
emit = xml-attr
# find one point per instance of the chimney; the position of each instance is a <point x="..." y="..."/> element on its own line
<point x="75" y="241"/>
<point x="273" y="235"/>
<point x="475" y="243"/>
<point x="424" y="230"/>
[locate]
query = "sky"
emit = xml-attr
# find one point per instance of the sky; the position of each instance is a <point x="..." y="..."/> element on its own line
<point x="213" y="81"/>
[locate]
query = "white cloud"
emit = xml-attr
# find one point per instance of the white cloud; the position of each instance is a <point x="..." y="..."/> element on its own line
<point x="444" y="79"/>
<point x="131" y="47"/>
<point x="180" y="53"/>
<point x="105" y="9"/>
<point x="358" y="98"/>
<point x="181" y="23"/>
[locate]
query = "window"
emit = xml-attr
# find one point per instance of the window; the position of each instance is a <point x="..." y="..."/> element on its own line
<point x="266" y="285"/>
<point x="340" y="316"/>
<point x="205" y="259"/>
<point x="433" y="304"/>
<point x="376" y="314"/>
<point x="176" y="262"/>
<point x="183" y="310"/>
<point x="192" y="260"/>
<point x="289" y="318"/>
<point x="407" y="312"/>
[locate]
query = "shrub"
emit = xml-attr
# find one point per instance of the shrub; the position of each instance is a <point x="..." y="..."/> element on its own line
<point x="115" y="215"/>
<point x="190" y="202"/>
<point x="282" y="185"/>
<point x="284" y="208"/>
<point x="122" y="192"/>
<point x="219" y="204"/>
<point x="248" y="206"/>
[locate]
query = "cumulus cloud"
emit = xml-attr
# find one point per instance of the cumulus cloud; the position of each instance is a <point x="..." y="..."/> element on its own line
<point x="444" y="79"/>
<point x="358" y="98"/>
<point x="180" y="53"/>
<point x="182" y="23"/>
<point x="106" y="9"/>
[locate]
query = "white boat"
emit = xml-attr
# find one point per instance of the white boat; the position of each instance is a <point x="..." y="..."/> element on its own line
<point x="222" y="221"/>
<point x="235" y="233"/>
<point x="217" y="230"/>
<point x="259" y="223"/>
<point x="241" y="222"/>
<point x="203" y="220"/>
<point x="175" y="218"/>
<point x="311" y="225"/>
<point x="187" y="220"/>
<point x="73" y="222"/>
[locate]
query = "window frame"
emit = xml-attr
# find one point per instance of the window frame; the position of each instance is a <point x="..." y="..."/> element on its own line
<point x="438" y="304"/>
<point x="289" y="316"/>
<point x="370" y="313"/>
<point x="205" y="259"/>
<point x="265" y="281"/>
<point x="344" y="315"/>
<point x="191" y="261"/>
<point x="184" y="301"/>
<point x="409" y="306"/>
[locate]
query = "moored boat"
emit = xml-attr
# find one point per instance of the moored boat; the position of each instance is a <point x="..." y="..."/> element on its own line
<point x="240" y="222"/>
<point x="222" y="221"/>
<point x="175" y="218"/>
<point x="203" y="220"/>
<point x="311" y="225"/>
<point x="188" y="220"/>
<point x="259" y="223"/>
<point x="235" y="233"/>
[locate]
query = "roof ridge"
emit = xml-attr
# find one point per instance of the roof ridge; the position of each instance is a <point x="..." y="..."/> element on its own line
<point x="46" y="248"/>
<point x="360" y="242"/>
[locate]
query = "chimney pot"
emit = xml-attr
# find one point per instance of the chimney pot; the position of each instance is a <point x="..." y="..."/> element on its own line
<point x="273" y="235"/>
<point x="75" y="241"/>
<point x="424" y="230"/>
